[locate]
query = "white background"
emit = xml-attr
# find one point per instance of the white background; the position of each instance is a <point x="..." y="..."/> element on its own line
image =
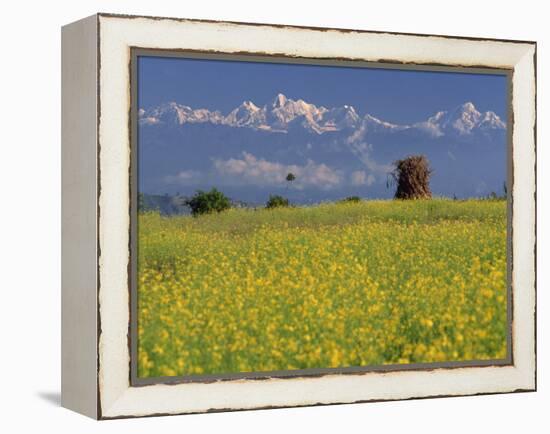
<point x="30" y="216"/>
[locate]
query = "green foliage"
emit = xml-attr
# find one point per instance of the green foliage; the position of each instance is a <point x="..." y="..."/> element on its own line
<point x="352" y="199"/>
<point x="207" y="202"/>
<point x="141" y="202"/>
<point x="276" y="201"/>
<point x="493" y="196"/>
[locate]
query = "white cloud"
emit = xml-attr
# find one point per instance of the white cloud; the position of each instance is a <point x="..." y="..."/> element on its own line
<point x="362" y="150"/>
<point x="358" y="135"/>
<point x="249" y="170"/>
<point x="149" y="120"/>
<point x="430" y="127"/>
<point x="360" y="177"/>
<point x="258" y="171"/>
<point x="185" y="177"/>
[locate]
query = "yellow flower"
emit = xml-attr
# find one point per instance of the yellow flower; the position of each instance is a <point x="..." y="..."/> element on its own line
<point x="332" y="285"/>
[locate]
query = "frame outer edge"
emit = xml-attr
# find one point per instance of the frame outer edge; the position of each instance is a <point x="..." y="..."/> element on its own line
<point x="79" y="319"/>
<point x="115" y="412"/>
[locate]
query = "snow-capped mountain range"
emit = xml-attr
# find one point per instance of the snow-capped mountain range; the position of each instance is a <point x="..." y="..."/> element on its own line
<point x="334" y="151"/>
<point x="284" y="113"/>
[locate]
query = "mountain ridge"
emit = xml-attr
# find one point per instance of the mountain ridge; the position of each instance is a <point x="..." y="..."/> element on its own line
<point x="284" y="113"/>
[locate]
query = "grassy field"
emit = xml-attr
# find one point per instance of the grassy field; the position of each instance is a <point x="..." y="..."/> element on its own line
<point x="335" y="285"/>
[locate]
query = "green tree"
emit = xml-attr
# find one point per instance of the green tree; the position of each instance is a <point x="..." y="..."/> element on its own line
<point x="352" y="199"/>
<point x="276" y="201"/>
<point x="141" y="202"/>
<point x="207" y="202"/>
<point x="290" y="177"/>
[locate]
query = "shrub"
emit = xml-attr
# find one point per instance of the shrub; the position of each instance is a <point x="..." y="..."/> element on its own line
<point x="352" y="199"/>
<point x="206" y="202"/>
<point x="412" y="175"/>
<point x="276" y="201"/>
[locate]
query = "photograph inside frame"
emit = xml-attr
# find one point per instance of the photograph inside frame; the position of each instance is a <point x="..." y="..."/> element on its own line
<point x="311" y="217"/>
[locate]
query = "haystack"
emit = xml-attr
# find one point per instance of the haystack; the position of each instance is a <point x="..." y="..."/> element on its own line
<point x="412" y="175"/>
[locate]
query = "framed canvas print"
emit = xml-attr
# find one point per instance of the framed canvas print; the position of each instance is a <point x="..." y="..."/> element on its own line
<point x="261" y="216"/>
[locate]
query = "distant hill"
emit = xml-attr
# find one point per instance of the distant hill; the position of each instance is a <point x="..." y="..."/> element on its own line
<point x="167" y="204"/>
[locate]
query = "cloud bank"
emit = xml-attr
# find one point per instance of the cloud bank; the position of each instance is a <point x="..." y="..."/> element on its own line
<point x="249" y="170"/>
<point x="257" y="171"/>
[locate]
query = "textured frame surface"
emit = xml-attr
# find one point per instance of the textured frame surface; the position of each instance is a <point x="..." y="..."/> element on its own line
<point x="116" y="397"/>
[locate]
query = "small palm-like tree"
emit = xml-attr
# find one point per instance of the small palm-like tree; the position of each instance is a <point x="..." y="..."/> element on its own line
<point x="290" y="177"/>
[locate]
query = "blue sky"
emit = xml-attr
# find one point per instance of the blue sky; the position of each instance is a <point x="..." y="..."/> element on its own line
<point x="400" y="96"/>
<point x="249" y="165"/>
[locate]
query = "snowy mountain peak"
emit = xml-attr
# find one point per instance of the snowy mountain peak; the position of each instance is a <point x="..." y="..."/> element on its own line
<point x="437" y="117"/>
<point x="246" y="115"/>
<point x="174" y="113"/>
<point x="250" y="105"/>
<point x="279" y="101"/>
<point x="469" y="107"/>
<point x="467" y="118"/>
<point x="463" y="120"/>
<point x="284" y="113"/>
<point x="373" y="123"/>
<point x="492" y="121"/>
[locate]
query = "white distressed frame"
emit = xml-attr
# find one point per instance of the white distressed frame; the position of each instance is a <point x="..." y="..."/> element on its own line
<point x="115" y="396"/>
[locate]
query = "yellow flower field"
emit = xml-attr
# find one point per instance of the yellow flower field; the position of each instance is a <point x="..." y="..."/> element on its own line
<point x="335" y="285"/>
